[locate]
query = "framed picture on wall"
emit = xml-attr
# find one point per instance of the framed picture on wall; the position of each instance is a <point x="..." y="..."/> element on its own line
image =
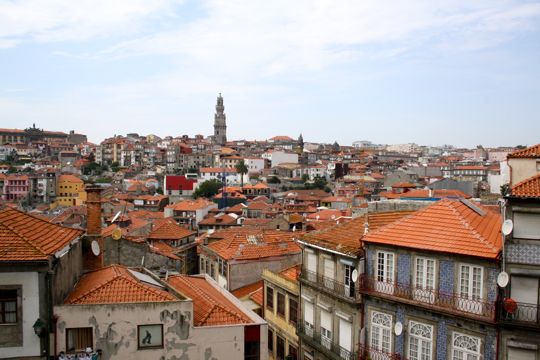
<point x="150" y="336"/>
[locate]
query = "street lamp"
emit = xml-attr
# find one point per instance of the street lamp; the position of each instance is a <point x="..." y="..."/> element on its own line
<point x="39" y="327"/>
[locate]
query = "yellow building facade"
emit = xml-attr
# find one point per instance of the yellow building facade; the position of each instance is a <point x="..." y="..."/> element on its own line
<point x="70" y="191"/>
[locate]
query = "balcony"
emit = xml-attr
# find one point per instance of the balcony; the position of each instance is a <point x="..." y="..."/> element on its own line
<point x="330" y="286"/>
<point x="523" y="315"/>
<point x="449" y="303"/>
<point x="324" y="345"/>
<point x="369" y="353"/>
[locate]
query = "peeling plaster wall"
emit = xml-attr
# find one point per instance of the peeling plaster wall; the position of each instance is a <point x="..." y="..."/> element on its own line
<point x="115" y="331"/>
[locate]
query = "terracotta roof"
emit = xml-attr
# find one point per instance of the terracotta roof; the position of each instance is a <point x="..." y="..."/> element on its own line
<point x="191" y="205"/>
<point x="221" y="219"/>
<point x="69" y="178"/>
<point x="210" y="306"/>
<point x="346" y="237"/>
<point x="257" y="297"/>
<point x="329" y="214"/>
<point x="115" y="284"/>
<point x="403" y="185"/>
<point x="24" y="237"/>
<point x="258" y="205"/>
<point x="248" y="289"/>
<point x="470" y="167"/>
<point x="530" y="152"/>
<point x="291" y="273"/>
<point x="168" y="229"/>
<point x="528" y="188"/>
<point x="217" y="170"/>
<point x="281" y="138"/>
<point x="450" y="226"/>
<point x="251" y="243"/>
<point x="164" y="249"/>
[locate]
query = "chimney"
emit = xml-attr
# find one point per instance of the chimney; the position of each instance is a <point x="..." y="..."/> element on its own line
<point x="93" y="244"/>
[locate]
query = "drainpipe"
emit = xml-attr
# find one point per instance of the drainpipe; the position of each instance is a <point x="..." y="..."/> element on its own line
<point x="48" y="281"/>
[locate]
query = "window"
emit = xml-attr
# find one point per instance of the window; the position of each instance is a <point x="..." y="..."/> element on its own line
<point x="151" y="336"/>
<point x="420" y="341"/>
<point x="470" y="288"/>
<point x="293" y="353"/>
<point x="202" y="266"/>
<point x="280" y="348"/>
<point x="381" y="332"/>
<point x="270" y="298"/>
<point x="524" y="290"/>
<point x="348" y="280"/>
<point x="424" y="280"/>
<point x="281" y="304"/>
<point x="329" y="270"/>
<point x="78" y="339"/>
<point x="385" y="272"/>
<point x="465" y="347"/>
<point x="311" y="266"/>
<point x="308" y="318"/>
<point x="326" y="329"/>
<point x="8" y="306"/>
<point x="293" y="311"/>
<point x="526" y="226"/>
<point x="270" y="340"/>
<point x="345" y="339"/>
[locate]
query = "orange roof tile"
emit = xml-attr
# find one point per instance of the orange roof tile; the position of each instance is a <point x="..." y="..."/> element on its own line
<point x="449" y="226"/>
<point x="291" y="273"/>
<point x="210" y="306"/>
<point x="439" y="193"/>
<point x="346" y="237"/>
<point x="115" y="284"/>
<point x="530" y="152"/>
<point x="24" y="237"/>
<point x="403" y="185"/>
<point x="168" y="229"/>
<point x="164" y="249"/>
<point x="248" y="289"/>
<point x="191" y="205"/>
<point x="69" y="178"/>
<point x="528" y="188"/>
<point x="251" y="243"/>
<point x="257" y="297"/>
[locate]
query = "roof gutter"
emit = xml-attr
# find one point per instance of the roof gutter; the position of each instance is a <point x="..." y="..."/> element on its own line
<point x="326" y="249"/>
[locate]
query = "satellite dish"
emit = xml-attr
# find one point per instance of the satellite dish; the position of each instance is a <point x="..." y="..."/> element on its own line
<point x="95" y="248"/>
<point x="354" y="275"/>
<point x="398" y="328"/>
<point x="507" y="227"/>
<point x="116" y="217"/>
<point x="502" y="279"/>
<point x="117" y="234"/>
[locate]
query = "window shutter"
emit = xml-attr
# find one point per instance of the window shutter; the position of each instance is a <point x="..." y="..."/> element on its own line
<point x="329" y="268"/>
<point x="345" y="334"/>
<point x="311" y="262"/>
<point x="326" y="320"/>
<point x="308" y="312"/>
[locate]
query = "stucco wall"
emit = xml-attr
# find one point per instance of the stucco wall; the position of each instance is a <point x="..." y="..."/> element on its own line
<point x="242" y="274"/>
<point x="30" y="312"/>
<point x="521" y="169"/>
<point x="115" y="331"/>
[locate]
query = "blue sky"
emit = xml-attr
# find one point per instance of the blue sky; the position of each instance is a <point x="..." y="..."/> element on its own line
<point x="431" y="72"/>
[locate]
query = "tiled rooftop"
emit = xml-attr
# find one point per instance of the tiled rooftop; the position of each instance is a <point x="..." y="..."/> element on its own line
<point x="115" y="284"/>
<point x="252" y="243"/>
<point x="528" y="188"/>
<point x="530" y="152"/>
<point x="168" y="229"/>
<point x="449" y="226"/>
<point x="346" y="237"/>
<point x="210" y="306"/>
<point x="24" y="237"/>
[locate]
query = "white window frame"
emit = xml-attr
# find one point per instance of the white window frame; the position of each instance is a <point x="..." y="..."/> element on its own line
<point x="471" y="298"/>
<point x="326" y="334"/>
<point x="424" y="288"/>
<point x="421" y="341"/>
<point x="385" y="275"/>
<point x="379" y="330"/>
<point x="466" y="353"/>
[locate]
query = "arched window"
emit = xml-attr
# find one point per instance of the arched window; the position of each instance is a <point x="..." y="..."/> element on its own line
<point x="381" y="331"/>
<point x="420" y="341"/>
<point x="465" y="347"/>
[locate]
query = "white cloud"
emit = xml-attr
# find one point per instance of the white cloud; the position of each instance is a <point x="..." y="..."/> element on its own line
<point x="61" y="20"/>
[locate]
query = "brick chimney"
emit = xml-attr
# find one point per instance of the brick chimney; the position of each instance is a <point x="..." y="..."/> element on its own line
<point x="93" y="229"/>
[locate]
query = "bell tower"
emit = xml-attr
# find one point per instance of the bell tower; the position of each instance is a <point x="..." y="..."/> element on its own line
<point x="220" y="123"/>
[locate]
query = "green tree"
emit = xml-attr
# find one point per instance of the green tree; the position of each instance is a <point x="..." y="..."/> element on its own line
<point x="92" y="169"/>
<point x="274" y="180"/>
<point x="208" y="189"/>
<point x="115" y="166"/>
<point x="242" y="169"/>
<point x="505" y="189"/>
<point x="305" y="178"/>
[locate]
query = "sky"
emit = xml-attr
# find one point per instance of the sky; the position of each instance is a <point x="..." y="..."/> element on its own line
<point x="431" y="72"/>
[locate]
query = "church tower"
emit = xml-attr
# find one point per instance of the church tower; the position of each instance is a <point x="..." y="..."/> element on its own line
<point x="220" y="124"/>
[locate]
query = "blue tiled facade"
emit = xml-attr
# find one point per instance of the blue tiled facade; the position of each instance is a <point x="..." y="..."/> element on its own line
<point x="404" y="269"/>
<point x="492" y="283"/>
<point x="442" y="336"/>
<point x="446" y="276"/>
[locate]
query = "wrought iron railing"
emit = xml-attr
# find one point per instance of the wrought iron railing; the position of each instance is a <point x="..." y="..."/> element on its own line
<point x="332" y="286"/>
<point x="324" y="344"/>
<point x="519" y="313"/>
<point x="432" y="298"/>
<point x="370" y="353"/>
